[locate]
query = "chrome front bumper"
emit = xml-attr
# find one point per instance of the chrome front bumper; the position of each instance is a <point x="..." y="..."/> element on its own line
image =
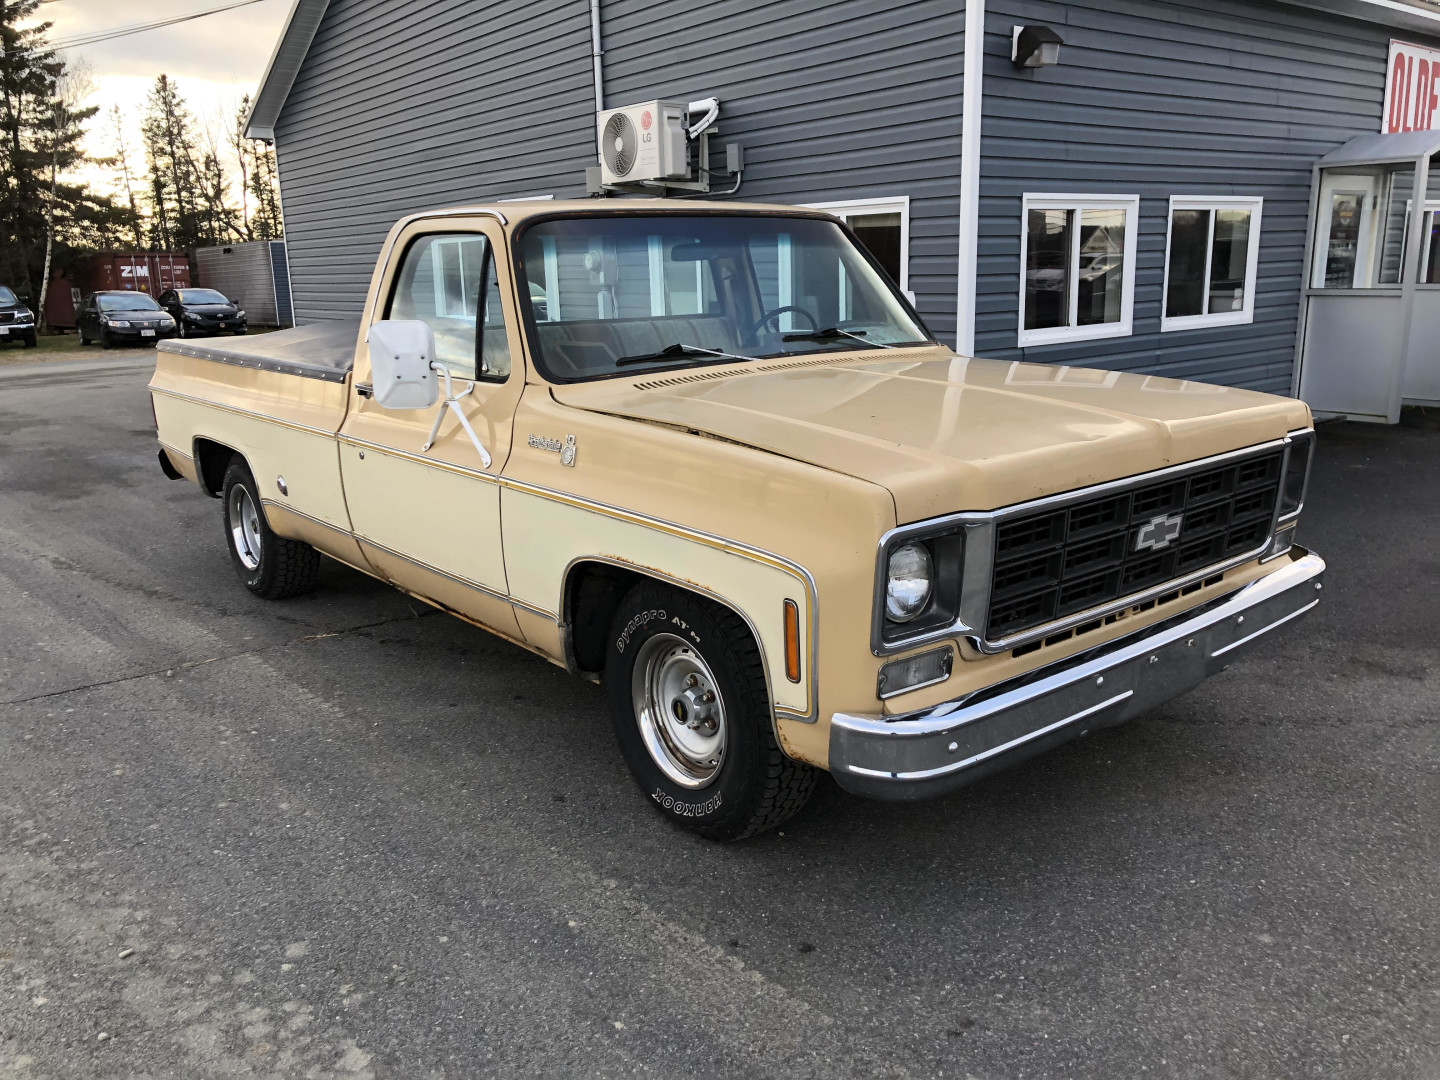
<point x="923" y="754"/>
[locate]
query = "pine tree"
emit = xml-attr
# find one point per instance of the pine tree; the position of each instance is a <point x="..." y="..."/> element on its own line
<point x="174" y="175"/>
<point x="44" y="214"/>
<point x="28" y="72"/>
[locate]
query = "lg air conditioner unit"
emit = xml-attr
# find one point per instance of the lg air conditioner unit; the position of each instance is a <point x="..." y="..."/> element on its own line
<point x="644" y="142"/>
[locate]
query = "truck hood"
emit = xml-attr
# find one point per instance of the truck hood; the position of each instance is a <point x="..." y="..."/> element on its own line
<point x="945" y="433"/>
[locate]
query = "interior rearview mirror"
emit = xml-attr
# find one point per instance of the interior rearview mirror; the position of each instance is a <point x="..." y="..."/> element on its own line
<point x="401" y="351"/>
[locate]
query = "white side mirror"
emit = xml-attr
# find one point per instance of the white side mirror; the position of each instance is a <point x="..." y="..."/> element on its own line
<point x="401" y="351"/>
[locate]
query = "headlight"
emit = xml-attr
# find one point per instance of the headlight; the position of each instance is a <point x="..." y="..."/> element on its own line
<point x="24" y="313"/>
<point x="166" y="320"/>
<point x="115" y="322"/>
<point x="190" y="316"/>
<point x="239" y="314"/>
<point x="909" y="578"/>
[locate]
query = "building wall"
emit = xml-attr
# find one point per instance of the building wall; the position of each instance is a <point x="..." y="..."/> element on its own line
<point x="406" y="107"/>
<point x="1155" y="99"/>
<point x="402" y="109"/>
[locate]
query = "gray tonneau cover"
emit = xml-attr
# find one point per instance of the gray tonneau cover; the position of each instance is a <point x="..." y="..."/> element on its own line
<point x="318" y="351"/>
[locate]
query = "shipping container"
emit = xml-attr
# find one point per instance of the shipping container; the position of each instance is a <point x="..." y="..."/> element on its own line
<point x="254" y="275"/>
<point x="149" y="272"/>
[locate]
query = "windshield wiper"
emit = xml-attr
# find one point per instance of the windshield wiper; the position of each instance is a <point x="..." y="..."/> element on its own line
<point x="834" y="333"/>
<point x="678" y="352"/>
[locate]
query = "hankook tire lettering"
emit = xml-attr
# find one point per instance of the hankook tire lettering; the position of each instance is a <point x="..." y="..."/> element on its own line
<point x="685" y="809"/>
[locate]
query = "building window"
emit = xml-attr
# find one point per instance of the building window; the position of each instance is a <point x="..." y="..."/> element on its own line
<point x="1211" y="251"/>
<point x="1078" y="254"/>
<point x="883" y="226"/>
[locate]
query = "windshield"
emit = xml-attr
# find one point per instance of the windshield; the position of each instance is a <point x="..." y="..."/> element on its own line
<point x="608" y="294"/>
<point x="201" y="296"/>
<point x="126" y="302"/>
<point x="7" y="297"/>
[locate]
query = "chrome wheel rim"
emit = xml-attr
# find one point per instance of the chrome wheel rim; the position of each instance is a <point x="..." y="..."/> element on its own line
<point x="679" y="710"/>
<point x="245" y="527"/>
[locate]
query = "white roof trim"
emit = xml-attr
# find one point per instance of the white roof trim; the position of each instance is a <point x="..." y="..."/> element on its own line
<point x="300" y="26"/>
<point x="1421" y="15"/>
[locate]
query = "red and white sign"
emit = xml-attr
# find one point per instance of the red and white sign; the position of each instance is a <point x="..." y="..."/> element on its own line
<point x="1412" y="89"/>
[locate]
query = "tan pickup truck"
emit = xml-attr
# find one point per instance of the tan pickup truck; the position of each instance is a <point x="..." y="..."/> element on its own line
<point x="709" y="455"/>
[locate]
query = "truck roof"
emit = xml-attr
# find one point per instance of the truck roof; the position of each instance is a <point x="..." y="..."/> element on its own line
<point x="513" y="213"/>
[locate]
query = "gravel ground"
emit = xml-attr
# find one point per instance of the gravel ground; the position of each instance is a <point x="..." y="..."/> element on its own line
<point x="347" y="836"/>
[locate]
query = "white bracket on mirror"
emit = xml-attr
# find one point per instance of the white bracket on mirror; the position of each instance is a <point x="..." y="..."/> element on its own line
<point x="452" y="402"/>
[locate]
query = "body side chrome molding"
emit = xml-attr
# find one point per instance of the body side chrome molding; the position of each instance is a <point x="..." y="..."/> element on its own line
<point x="457" y="579"/>
<point x="287" y="508"/>
<point x="306" y="428"/>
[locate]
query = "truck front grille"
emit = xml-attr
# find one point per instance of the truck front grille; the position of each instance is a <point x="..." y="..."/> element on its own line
<point x="1052" y="563"/>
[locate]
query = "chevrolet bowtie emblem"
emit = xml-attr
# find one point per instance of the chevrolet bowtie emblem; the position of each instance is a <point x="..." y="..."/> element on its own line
<point x="1158" y="532"/>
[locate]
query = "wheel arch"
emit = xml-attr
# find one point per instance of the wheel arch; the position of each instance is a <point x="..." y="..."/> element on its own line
<point x="212" y="458"/>
<point x="593" y="587"/>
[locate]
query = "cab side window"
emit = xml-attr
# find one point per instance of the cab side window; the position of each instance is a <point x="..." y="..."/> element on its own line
<point x="446" y="280"/>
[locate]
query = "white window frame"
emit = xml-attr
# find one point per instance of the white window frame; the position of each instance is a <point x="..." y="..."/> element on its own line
<point x="848" y="208"/>
<point x="1052" y="335"/>
<point x="1254" y="204"/>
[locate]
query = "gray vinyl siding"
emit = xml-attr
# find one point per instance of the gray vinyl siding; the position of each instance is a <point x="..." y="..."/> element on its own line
<point x="839" y="100"/>
<point x="1170" y="98"/>
<point x="405" y="108"/>
<point x="246" y="274"/>
<point x="401" y="108"/>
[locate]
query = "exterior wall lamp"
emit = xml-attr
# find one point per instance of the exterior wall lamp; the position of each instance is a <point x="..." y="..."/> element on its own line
<point x="1035" y="46"/>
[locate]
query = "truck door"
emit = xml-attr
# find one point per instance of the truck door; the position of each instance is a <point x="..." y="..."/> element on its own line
<point x="429" y="520"/>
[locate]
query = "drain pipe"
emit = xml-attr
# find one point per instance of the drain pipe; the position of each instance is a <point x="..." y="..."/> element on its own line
<point x="596" y="54"/>
<point x="971" y="111"/>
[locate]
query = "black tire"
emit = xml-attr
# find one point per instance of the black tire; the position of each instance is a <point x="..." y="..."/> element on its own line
<point x="271" y="566"/>
<point x="30" y="342"/>
<point x="753" y="786"/>
<point x="105" y="342"/>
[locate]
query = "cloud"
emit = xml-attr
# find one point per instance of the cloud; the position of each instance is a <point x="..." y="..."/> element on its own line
<point x="214" y="61"/>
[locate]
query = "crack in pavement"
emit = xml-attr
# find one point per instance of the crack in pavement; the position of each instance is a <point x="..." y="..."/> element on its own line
<point x="414" y="616"/>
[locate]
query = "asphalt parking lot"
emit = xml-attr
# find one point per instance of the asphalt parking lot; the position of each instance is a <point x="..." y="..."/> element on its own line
<point x="348" y="836"/>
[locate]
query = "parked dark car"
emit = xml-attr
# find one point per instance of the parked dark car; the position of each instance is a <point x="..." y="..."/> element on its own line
<point x="114" y="317"/>
<point x="203" y="311"/>
<point x="17" y="321"/>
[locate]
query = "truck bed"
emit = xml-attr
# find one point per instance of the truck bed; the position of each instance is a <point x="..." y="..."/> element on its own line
<point x="323" y="351"/>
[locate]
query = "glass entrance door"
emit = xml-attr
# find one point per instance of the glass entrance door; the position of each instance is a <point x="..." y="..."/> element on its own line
<point x="1344" y="239"/>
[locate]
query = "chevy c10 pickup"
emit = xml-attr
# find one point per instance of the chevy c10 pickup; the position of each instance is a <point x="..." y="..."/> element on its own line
<point x="708" y="455"/>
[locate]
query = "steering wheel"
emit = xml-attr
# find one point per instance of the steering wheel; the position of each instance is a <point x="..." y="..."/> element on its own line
<point x="814" y="323"/>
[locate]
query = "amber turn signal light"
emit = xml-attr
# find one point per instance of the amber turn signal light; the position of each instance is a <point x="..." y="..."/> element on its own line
<point x="792" y="641"/>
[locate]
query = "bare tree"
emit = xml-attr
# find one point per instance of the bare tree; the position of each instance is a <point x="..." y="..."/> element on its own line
<point x="120" y="162"/>
<point x="61" y="137"/>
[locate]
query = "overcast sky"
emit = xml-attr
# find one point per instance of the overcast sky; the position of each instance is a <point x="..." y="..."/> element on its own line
<point x="214" y="60"/>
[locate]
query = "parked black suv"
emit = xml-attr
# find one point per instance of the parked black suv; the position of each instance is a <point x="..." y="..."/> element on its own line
<point x="112" y="317"/>
<point x="203" y="311"/>
<point x="17" y="321"/>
